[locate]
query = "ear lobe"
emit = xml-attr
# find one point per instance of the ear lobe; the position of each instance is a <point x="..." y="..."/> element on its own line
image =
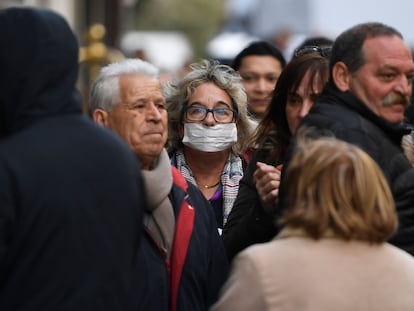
<point x="341" y="76"/>
<point x="100" y="116"/>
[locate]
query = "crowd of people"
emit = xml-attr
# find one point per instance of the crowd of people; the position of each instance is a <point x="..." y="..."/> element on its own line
<point x="268" y="184"/>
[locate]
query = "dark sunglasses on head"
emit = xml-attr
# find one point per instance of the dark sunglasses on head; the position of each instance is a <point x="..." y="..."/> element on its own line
<point x="309" y="49"/>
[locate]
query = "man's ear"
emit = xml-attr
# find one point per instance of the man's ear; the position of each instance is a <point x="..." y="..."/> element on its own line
<point x="100" y="116"/>
<point x="341" y="76"/>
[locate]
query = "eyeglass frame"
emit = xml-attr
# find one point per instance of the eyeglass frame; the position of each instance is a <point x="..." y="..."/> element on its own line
<point x="212" y="110"/>
<point x="324" y="51"/>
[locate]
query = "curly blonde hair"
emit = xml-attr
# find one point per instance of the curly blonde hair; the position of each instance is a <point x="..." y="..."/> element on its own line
<point x="335" y="187"/>
<point x="177" y="95"/>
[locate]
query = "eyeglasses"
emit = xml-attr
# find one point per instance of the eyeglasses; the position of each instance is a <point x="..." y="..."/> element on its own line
<point x="309" y="49"/>
<point x="220" y="115"/>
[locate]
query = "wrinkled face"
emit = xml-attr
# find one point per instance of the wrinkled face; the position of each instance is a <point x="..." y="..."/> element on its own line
<point x="300" y="101"/>
<point x="259" y="74"/>
<point x="140" y="117"/>
<point x="383" y="83"/>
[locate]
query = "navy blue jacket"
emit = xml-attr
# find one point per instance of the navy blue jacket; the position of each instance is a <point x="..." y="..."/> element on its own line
<point x="71" y="192"/>
<point x="205" y="269"/>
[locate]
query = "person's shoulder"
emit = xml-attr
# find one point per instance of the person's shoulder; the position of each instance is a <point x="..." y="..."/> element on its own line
<point x="325" y="107"/>
<point x="330" y="116"/>
<point x="105" y="136"/>
<point x="400" y="255"/>
<point x="275" y="249"/>
<point x="271" y="259"/>
<point x="102" y="143"/>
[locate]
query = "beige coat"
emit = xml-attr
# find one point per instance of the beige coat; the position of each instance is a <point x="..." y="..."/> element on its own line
<point x="300" y="274"/>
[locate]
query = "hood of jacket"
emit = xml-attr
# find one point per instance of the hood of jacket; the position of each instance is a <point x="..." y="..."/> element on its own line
<point x="39" y="68"/>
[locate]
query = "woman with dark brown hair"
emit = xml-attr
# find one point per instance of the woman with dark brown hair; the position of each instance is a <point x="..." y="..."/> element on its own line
<point x="299" y="85"/>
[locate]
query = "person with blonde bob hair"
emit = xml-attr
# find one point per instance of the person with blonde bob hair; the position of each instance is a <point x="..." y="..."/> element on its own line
<point x="209" y="129"/>
<point x="332" y="253"/>
<point x="341" y="193"/>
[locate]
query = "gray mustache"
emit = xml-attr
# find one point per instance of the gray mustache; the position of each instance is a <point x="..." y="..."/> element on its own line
<point x="396" y="99"/>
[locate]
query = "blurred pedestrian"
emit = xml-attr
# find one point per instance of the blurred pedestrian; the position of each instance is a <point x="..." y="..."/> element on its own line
<point x="259" y="65"/>
<point x="316" y="41"/>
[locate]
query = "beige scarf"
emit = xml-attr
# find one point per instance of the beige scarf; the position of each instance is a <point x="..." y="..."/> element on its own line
<point x="160" y="220"/>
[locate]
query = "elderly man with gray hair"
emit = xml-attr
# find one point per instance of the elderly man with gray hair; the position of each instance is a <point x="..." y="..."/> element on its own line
<point x="183" y="263"/>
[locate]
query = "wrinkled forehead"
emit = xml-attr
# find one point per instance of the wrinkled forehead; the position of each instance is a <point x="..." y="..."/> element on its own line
<point x="137" y="85"/>
<point x="388" y="51"/>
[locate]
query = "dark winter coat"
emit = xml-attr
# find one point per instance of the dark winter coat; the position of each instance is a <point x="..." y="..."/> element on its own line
<point x="71" y="193"/>
<point x="205" y="267"/>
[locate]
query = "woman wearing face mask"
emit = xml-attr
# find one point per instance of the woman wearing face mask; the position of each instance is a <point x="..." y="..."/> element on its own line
<point x="208" y="131"/>
<point x="252" y="218"/>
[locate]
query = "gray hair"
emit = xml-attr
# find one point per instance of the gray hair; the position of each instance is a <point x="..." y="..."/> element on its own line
<point x="348" y="45"/>
<point x="207" y="71"/>
<point x="104" y="93"/>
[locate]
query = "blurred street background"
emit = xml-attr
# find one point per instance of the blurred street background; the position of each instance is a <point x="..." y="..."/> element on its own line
<point x="173" y="33"/>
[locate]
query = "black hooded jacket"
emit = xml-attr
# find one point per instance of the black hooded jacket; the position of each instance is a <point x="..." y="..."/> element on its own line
<point x="347" y="118"/>
<point x="71" y="193"/>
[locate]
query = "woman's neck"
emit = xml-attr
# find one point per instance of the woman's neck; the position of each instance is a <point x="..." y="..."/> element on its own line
<point x="206" y="167"/>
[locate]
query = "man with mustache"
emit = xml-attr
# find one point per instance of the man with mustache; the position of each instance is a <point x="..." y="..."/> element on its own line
<point x="370" y="84"/>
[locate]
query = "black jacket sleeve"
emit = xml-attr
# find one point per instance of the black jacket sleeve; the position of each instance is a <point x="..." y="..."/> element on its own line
<point x="247" y="223"/>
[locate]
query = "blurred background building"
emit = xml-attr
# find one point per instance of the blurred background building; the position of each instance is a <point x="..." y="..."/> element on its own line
<point x="97" y="24"/>
<point x="173" y="33"/>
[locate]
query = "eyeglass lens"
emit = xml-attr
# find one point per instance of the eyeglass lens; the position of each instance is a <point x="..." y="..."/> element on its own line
<point x="222" y="115"/>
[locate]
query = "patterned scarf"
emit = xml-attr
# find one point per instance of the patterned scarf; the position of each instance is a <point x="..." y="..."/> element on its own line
<point x="230" y="177"/>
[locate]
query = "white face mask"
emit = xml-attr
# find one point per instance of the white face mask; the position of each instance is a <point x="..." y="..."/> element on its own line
<point x="210" y="138"/>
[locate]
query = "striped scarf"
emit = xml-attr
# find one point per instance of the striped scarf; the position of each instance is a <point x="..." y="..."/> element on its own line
<point x="230" y="177"/>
